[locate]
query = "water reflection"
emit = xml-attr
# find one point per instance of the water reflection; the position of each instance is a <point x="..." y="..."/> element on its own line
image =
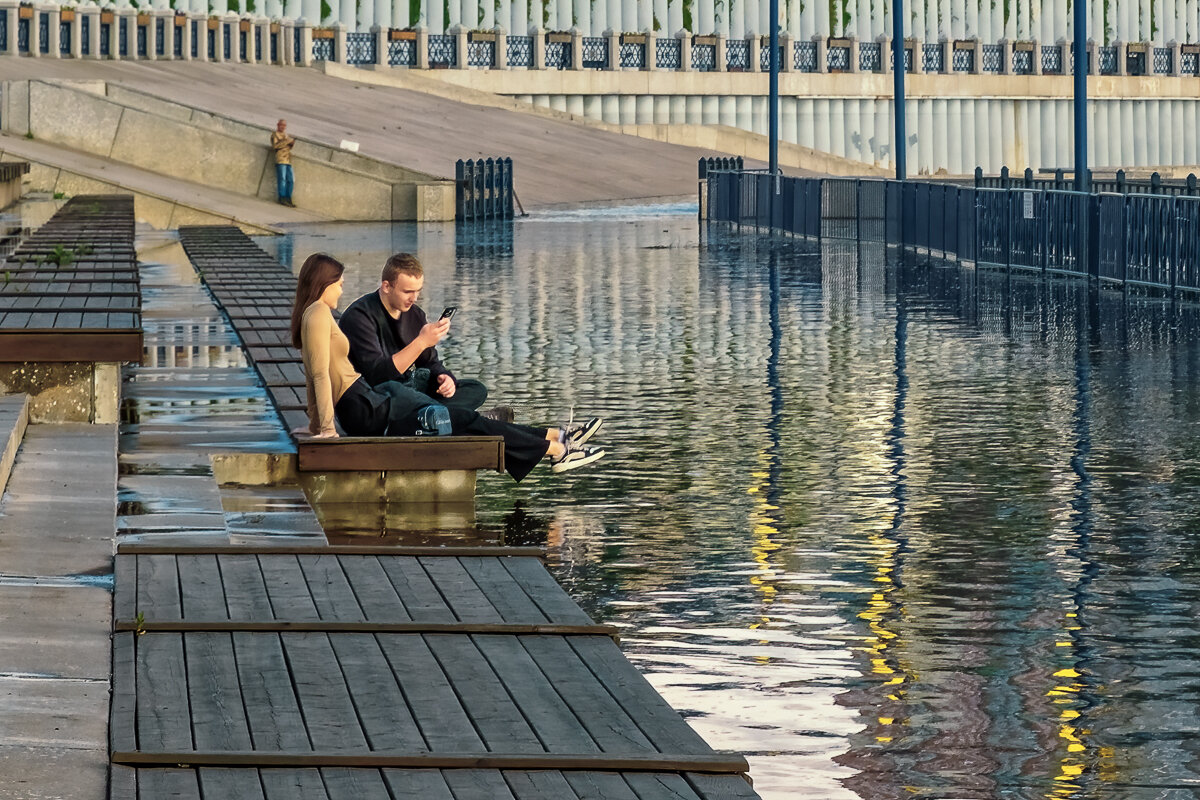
<point x="897" y="531"/>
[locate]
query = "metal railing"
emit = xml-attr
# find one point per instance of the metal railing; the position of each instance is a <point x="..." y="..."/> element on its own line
<point x="483" y="189"/>
<point x="1130" y="240"/>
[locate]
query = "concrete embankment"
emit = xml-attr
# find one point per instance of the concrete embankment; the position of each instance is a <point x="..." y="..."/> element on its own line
<point x="557" y="161"/>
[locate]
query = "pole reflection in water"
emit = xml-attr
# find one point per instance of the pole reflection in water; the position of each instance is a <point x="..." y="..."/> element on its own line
<point x="896" y="532"/>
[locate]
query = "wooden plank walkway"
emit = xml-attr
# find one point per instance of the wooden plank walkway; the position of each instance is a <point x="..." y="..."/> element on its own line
<point x="70" y="291"/>
<point x="354" y="673"/>
<point x="256" y="294"/>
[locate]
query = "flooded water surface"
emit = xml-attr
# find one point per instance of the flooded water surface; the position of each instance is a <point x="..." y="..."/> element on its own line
<point x="893" y="531"/>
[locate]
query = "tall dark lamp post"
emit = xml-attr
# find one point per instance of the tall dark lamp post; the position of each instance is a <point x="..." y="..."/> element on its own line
<point x="1081" y="70"/>
<point x="900" y="147"/>
<point x="773" y="115"/>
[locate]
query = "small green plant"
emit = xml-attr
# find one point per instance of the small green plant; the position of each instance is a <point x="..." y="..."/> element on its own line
<point x="140" y="619"/>
<point x="59" y="195"/>
<point x="29" y="135"/>
<point x="7" y="276"/>
<point x="83" y="250"/>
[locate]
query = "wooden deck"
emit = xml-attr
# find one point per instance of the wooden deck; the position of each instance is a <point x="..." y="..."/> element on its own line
<point x="256" y="294"/>
<point x="70" y="292"/>
<point x="354" y="673"/>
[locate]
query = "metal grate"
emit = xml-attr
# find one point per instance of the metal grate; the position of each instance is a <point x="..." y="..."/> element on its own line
<point x="633" y="55"/>
<point x="1189" y="63"/>
<point x="22" y="35"/>
<point x="241" y="50"/>
<point x="481" y="54"/>
<point x="704" y="57"/>
<point x="870" y="57"/>
<point x="1135" y="63"/>
<point x="595" y="52"/>
<point x="160" y="36"/>
<point x="737" y="55"/>
<point x="257" y="43"/>
<point x="195" y="38"/>
<point x="323" y="49"/>
<point x="360" y="48"/>
<point x="558" y="55"/>
<point x="1162" y="61"/>
<point x="402" y="53"/>
<point x="668" y="54"/>
<point x="44" y="32"/>
<point x="122" y="36"/>
<point x="993" y="58"/>
<point x="1022" y="62"/>
<point x="1108" y="61"/>
<point x="931" y="58"/>
<point x="4" y="31"/>
<point x="764" y="58"/>
<point x="212" y="44"/>
<point x="141" y="41"/>
<point x="520" y="51"/>
<point x="229" y="44"/>
<point x="64" y="38"/>
<point x="1052" y="59"/>
<point x="105" y="35"/>
<point x="274" y="48"/>
<point x="443" y="51"/>
<point x="963" y="60"/>
<point x="85" y="29"/>
<point x="838" y="59"/>
<point x="177" y="40"/>
<point x="296" y="44"/>
<point x="804" y="57"/>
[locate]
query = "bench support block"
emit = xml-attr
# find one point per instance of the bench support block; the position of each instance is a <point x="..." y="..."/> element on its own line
<point x="404" y="487"/>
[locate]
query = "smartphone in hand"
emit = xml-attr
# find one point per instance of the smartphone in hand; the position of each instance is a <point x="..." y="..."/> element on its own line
<point x="448" y="313"/>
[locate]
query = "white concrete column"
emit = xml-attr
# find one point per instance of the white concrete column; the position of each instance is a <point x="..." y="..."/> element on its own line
<point x="345" y="12"/>
<point x="706" y="23"/>
<point x="673" y="21"/>
<point x="311" y="11"/>
<point x="520" y="18"/>
<point x="364" y="16"/>
<point x="383" y="20"/>
<point x="750" y="17"/>
<point x="581" y="12"/>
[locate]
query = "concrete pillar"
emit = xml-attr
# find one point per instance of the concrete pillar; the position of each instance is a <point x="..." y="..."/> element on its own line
<point x="251" y="32"/>
<point x="1035" y="58"/>
<point x="576" y="50"/>
<point x="35" y="33"/>
<point x="305" y="58"/>
<point x="76" y="25"/>
<point x="1122" y="58"/>
<point x="612" y="40"/>
<point x="705" y="22"/>
<point x="538" y="59"/>
<point x="720" y="50"/>
<point x="380" y="34"/>
<point x="1176" y="51"/>
<point x="885" y="54"/>
<point x="651" y="63"/>
<point x="754" y="54"/>
<point x="853" y="65"/>
<point x="55" y="48"/>
<point x="201" y="34"/>
<point x="365" y="17"/>
<point x="786" y="43"/>
<point x="151" y="36"/>
<point x="685" y="50"/>
<point x="460" y="43"/>
<point x="186" y="44"/>
<point x="822" y="53"/>
<point x="339" y="44"/>
<point x="9" y="9"/>
<point x="977" y="56"/>
<point x="130" y="16"/>
<point x="502" y="47"/>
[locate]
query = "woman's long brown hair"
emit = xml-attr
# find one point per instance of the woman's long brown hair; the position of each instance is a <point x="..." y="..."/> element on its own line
<point x="319" y="271"/>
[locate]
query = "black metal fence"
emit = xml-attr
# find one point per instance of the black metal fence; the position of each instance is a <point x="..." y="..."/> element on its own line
<point x="483" y="189"/>
<point x="1131" y="239"/>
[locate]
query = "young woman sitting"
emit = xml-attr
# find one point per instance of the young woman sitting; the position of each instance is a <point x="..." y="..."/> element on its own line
<point x="336" y="390"/>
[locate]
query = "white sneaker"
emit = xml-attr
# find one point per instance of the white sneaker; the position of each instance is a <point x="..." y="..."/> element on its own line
<point x="576" y="458"/>
<point x="577" y="436"/>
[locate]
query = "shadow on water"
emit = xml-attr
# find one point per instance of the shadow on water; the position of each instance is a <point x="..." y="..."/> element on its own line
<point x="894" y="529"/>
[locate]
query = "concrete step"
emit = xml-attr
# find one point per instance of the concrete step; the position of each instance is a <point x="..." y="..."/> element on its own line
<point x="14" y="418"/>
<point x="56" y="544"/>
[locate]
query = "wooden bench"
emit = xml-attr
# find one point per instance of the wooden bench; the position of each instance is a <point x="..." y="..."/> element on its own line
<point x="70" y="311"/>
<point x="256" y="294"/>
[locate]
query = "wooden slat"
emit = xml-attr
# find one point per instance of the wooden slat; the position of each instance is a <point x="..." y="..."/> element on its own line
<point x="600" y="786"/>
<point x="464" y="597"/>
<point x="541" y="587"/>
<point x="122" y="782"/>
<point x="178" y="784"/>
<point x="223" y="782"/>
<point x="200" y="587"/>
<point x="163" y="721"/>
<point x="379" y="602"/>
<point x="218" y="717"/>
<point x="721" y="787"/>
<point x="287" y="589"/>
<point x="502" y="591"/>
<point x="493" y="712"/>
<point x="158" y="587"/>
<point x="122" y="721"/>
<point x="70" y="345"/>
<point x="245" y="592"/>
<point x="417" y="591"/>
<point x="661" y="724"/>
<point x="354" y="784"/>
<point x="556" y="727"/>
<point x="124" y="587"/>
<point x="477" y="784"/>
<point x="436" y="708"/>
<point x="299" y="784"/>
<point x="384" y="714"/>
<point x="329" y="714"/>
<point x="417" y="784"/>
<point x="271" y="706"/>
<point x="538" y="785"/>
<point x="330" y="589"/>
<point x="348" y="454"/>
<point x="608" y="723"/>
<point x="145" y="548"/>
<point x="731" y="763"/>
<point x="363" y="626"/>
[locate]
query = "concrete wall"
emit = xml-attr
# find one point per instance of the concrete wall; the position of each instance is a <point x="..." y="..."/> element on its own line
<point x="168" y="139"/>
<point x="66" y="392"/>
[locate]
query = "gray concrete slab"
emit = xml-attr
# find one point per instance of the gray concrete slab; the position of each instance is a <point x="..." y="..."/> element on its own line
<point x="65" y="636"/>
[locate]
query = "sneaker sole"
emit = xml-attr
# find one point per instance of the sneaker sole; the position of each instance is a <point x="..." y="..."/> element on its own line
<point x="577" y="443"/>
<point x="564" y="466"/>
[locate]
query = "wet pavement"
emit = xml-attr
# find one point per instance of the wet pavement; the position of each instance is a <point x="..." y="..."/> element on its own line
<point x="192" y="396"/>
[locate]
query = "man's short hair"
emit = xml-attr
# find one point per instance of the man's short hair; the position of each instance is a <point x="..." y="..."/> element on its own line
<point x="401" y="262"/>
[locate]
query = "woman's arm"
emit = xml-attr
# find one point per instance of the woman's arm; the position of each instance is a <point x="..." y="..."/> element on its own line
<point x="315" y="332"/>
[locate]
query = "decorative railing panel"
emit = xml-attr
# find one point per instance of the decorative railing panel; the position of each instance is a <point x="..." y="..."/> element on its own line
<point x="228" y="43"/>
<point x="443" y="50"/>
<point x="274" y="47"/>
<point x="123" y="37"/>
<point x="322" y="49"/>
<point x="64" y="38"/>
<point x="85" y="30"/>
<point x="22" y="35"/>
<point x="1108" y="61"/>
<point x="1162" y="61"/>
<point x="1022" y="62"/>
<point x="558" y="55"/>
<point x="704" y="57"/>
<point x="838" y="59"/>
<point x="932" y="59"/>
<point x="993" y="58"/>
<point x="160" y="36"/>
<point x="1189" y="63"/>
<point x="142" y="34"/>
<point x="483" y="189"/>
<point x="105" y="38"/>
<point x="870" y="57"/>
<point x="595" y="52"/>
<point x="668" y="53"/>
<point x="481" y="53"/>
<point x="44" y="32"/>
<point x="4" y="33"/>
<point x="633" y="55"/>
<point x="737" y="55"/>
<point x="257" y="43"/>
<point x="402" y="53"/>
<point x="1052" y="59"/>
<point x="804" y="57"/>
<point x="177" y="40"/>
<point x="963" y="60"/>
<point x="519" y="51"/>
<point x="242" y="45"/>
<point x="212" y="44"/>
<point x="297" y="47"/>
<point x="360" y="48"/>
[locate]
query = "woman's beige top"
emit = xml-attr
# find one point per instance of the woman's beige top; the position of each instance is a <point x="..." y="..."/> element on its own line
<point x="327" y="369"/>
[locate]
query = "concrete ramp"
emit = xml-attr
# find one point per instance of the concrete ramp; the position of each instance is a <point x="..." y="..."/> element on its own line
<point x="557" y="161"/>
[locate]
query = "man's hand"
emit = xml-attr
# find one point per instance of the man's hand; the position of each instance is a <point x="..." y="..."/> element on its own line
<point x="433" y="332"/>
<point x="446" y="386"/>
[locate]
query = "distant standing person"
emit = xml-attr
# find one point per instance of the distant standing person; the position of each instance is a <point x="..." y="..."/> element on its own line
<point x="282" y="144"/>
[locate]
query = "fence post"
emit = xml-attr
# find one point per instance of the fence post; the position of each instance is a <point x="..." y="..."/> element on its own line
<point x="1124" y="243"/>
<point x="1004" y="180"/>
<point x="1174" y="243"/>
<point x="1191" y="184"/>
<point x="1008" y="215"/>
<point x="978" y="177"/>
<point x="1155" y="182"/>
<point x="460" y="177"/>
<point x="508" y="188"/>
<point x="1121" y="181"/>
<point x="1092" y="223"/>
